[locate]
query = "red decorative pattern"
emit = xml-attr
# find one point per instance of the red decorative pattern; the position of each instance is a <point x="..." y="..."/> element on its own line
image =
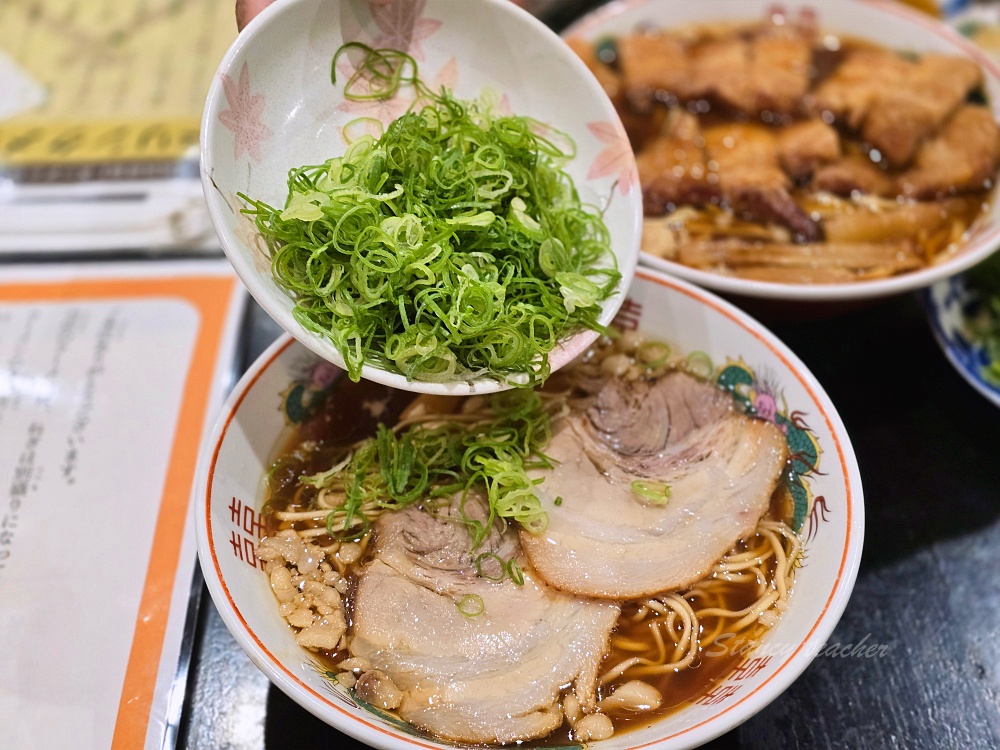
<point x="719" y="695"/>
<point x="616" y="159"/>
<point x="244" y="545"/>
<point x="629" y="315"/>
<point x="749" y="668"/>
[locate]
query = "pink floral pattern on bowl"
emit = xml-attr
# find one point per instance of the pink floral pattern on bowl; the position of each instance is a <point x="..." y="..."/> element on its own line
<point x="242" y="118"/>
<point x="273" y="108"/>
<point x="617" y="159"/>
<point x="402" y="24"/>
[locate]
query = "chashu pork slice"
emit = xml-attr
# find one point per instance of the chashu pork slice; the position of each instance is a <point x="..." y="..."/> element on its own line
<point x="492" y="677"/>
<point x="603" y="540"/>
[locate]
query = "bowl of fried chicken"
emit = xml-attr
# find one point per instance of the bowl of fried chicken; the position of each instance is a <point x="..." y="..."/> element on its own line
<point x="830" y="150"/>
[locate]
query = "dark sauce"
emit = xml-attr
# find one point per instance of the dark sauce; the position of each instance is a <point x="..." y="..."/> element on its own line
<point x="351" y="411"/>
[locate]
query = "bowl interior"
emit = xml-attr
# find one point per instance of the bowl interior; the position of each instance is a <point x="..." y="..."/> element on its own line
<point x="885" y="23"/>
<point x="272" y="107"/>
<point x="760" y="369"/>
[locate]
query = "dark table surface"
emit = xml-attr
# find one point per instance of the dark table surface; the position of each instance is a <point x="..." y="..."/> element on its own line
<point x="928" y="589"/>
<point x="929" y="586"/>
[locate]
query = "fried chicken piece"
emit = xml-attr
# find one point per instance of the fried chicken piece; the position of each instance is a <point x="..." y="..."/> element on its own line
<point x="916" y="106"/>
<point x="673" y="169"/>
<point x="779" y="72"/>
<point x="769" y="71"/>
<point x="752" y="182"/>
<point x="745" y="155"/>
<point x="652" y="63"/>
<point x="853" y="173"/>
<point x="720" y="70"/>
<point x="804" y="146"/>
<point x="850" y="91"/>
<point x="963" y="157"/>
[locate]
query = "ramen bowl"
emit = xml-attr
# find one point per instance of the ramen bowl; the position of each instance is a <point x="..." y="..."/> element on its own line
<point x="272" y="107"/>
<point x="887" y="24"/>
<point x="276" y="392"/>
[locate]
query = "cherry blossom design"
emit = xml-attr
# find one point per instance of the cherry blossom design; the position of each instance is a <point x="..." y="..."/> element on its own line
<point x="616" y="159"/>
<point x="402" y="25"/>
<point x="447" y="77"/>
<point x="243" y="116"/>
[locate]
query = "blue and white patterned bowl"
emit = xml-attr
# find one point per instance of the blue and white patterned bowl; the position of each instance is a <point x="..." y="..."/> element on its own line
<point x="950" y="305"/>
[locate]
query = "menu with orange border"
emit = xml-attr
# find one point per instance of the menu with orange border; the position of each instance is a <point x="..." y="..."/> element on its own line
<point x="109" y="379"/>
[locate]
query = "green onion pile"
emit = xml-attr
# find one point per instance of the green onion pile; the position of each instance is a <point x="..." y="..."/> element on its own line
<point x="489" y="451"/>
<point x="452" y="247"/>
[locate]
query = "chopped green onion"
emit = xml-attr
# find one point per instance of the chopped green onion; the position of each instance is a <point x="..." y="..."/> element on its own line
<point x="514" y="572"/>
<point x="651" y="493"/>
<point x="558" y="501"/>
<point x="700" y="365"/>
<point x="349" y="533"/>
<point x="323" y="478"/>
<point x="453" y="245"/>
<point x="392" y="471"/>
<point x="491" y="556"/>
<point x="471" y="605"/>
<point x="652" y="354"/>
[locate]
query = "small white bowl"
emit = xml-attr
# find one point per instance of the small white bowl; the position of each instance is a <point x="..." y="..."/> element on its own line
<point x="272" y="107"/>
<point x="256" y="421"/>
<point x="885" y="23"/>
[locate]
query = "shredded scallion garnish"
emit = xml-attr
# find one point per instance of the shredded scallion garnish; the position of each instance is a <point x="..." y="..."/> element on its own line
<point x="428" y="461"/>
<point x="453" y="246"/>
<point x="652" y="354"/>
<point x="485" y="574"/>
<point x="471" y="605"/>
<point x="506" y="568"/>
<point x="651" y="493"/>
<point x="514" y="572"/>
<point x="700" y="365"/>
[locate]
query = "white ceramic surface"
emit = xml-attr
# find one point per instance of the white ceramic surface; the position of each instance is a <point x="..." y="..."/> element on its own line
<point x="272" y="107"/>
<point x="885" y="23"/>
<point x="764" y="374"/>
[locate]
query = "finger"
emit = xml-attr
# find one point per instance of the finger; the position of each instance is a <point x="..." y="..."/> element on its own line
<point x="246" y="10"/>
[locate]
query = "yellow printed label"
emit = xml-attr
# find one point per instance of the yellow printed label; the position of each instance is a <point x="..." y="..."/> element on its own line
<point x="103" y="81"/>
<point x="23" y="143"/>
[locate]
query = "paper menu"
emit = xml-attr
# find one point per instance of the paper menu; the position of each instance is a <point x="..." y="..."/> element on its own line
<point x="84" y="67"/>
<point x="99" y="114"/>
<point x="109" y="379"/>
